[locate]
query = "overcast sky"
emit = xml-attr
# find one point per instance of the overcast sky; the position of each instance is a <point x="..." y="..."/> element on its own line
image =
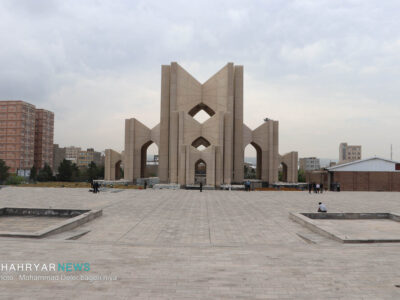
<point x="329" y="71"/>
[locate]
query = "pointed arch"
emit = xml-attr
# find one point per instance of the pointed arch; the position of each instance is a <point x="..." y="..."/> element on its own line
<point x="199" y="107"/>
<point x="200" y="171"/>
<point x="259" y="159"/>
<point x="143" y="158"/>
<point x="201" y="141"/>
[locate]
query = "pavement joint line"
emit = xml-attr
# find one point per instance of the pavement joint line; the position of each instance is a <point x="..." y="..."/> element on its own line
<point x="144" y="217"/>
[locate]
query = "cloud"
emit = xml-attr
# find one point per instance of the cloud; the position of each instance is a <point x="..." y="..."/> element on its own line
<point x="327" y="70"/>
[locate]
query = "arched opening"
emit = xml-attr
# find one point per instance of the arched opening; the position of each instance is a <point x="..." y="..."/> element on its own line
<point x="283" y="172"/>
<point x="200" y="172"/>
<point x="118" y="171"/>
<point x="252" y="161"/>
<point x="149" y="160"/>
<point x="201" y="143"/>
<point x="201" y="112"/>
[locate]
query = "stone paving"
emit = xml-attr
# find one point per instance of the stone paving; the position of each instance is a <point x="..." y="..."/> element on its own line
<point x="166" y="244"/>
<point x="27" y="223"/>
<point x="372" y="229"/>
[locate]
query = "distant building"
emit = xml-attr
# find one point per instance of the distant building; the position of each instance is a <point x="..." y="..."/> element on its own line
<point x="59" y="154"/>
<point x="25" y="136"/>
<point x="309" y="163"/>
<point x="88" y="156"/>
<point x="72" y="153"/>
<point x="77" y="156"/>
<point x="371" y="174"/>
<point x="348" y="153"/>
<point x="44" y="133"/>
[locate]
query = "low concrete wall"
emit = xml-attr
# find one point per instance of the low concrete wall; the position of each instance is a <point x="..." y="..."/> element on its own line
<point x="74" y="219"/>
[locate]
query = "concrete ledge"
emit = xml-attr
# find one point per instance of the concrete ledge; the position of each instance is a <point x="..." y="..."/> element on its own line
<point x="307" y="220"/>
<point x="74" y="219"/>
<point x="308" y="223"/>
<point x="168" y="186"/>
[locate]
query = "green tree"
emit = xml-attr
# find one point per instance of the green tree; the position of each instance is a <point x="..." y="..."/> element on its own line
<point x="3" y="170"/>
<point x="45" y="174"/>
<point x="83" y="174"/>
<point x="92" y="172"/>
<point x="101" y="172"/>
<point x="33" y="175"/>
<point x="249" y="172"/>
<point x="301" y="177"/>
<point x="76" y="173"/>
<point x="67" y="171"/>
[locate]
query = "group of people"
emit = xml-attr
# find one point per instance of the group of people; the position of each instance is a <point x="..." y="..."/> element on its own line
<point x="316" y="188"/>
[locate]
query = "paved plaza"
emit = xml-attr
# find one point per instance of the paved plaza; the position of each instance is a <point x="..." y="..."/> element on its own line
<point x="165" y="244"/>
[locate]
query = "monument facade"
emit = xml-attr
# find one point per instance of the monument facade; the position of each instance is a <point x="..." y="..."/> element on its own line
<point x="211" y="152"/>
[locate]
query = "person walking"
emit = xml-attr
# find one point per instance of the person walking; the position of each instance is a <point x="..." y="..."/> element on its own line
<point x="248" y="185"/>
<point x="95" y="187"/>
<point x="201" y="186"/>
<point x="309" y="187"/>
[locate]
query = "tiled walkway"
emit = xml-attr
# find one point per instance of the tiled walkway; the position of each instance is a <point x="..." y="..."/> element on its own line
<point x="213" y="245"/>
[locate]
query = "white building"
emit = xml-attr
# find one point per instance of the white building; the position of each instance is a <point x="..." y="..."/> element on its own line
<point x="309" y="163"/>
<point x="349" y="153"/>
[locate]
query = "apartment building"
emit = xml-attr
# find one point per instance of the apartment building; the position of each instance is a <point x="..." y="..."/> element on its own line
<point x="348" y="153"/>
<point x="72" y="153"/>
<point x="44" y="133"/>
<point x="19" y="137"/>
<point x="88" y="156"/>
<point x="309" y="163"/>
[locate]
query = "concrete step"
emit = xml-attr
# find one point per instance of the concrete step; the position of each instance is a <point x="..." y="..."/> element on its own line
<point x="314" y="238"/>
<point x="68" y="235"/>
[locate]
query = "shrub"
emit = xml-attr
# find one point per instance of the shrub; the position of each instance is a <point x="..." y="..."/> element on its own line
<point x="14" y="180"/>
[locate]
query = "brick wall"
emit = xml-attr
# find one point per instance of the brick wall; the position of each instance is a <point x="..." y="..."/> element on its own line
<point x="367" y="181"/>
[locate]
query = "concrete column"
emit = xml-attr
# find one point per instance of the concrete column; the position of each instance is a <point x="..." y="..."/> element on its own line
<point x="182" y="165"/>
<point x="137" y="162"/>
<point x="129" y="149"/>
<point x="164" y="125"/>
<point x="187" y="163"/>
<point x="173" y="147"/>
<point x="218" y="166"/>
<point x="228" y="148"/>
<point x="275" y="170"/>
<point x="270" y="151"/>
<point x="211" y="167"/>
<point x="108" y="169"/>
<point x="238" y="126"/>
<point x="173" y="125"/>
<point x="265" y="168"/>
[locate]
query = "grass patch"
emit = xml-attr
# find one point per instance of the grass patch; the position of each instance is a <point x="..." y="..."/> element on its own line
<point x="57" y="184"/>
<point x="61" y="184"/>
<point x="277" y="190"/>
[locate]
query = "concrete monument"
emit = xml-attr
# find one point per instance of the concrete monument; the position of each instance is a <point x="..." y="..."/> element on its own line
<point x="223" y="136"/>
